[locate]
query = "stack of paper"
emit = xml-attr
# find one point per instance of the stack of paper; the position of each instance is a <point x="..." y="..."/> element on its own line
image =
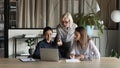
<point x="72" y="60"/>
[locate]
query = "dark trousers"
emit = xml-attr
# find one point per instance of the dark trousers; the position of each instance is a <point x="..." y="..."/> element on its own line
<point x="65" y="50"/>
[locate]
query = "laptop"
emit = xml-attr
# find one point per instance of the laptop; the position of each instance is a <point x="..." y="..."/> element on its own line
<point x="49" y="54"/>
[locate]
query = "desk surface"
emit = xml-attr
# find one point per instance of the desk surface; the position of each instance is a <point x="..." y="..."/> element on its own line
<point x="104" y="62"/>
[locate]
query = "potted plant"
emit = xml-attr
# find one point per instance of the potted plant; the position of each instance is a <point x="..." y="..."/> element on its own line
<point x="30" y="42"/>
<point x="114" y="54"/>
<point x="91" y="19"/>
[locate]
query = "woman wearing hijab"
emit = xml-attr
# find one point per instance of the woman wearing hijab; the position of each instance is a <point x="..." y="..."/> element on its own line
<point x="65" y="34"/>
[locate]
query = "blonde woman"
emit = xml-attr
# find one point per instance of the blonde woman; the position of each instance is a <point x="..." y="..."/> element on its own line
<point x="65" y="34"/>
<point x="83" y="48"/>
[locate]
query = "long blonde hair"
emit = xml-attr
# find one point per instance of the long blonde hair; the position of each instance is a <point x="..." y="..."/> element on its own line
<point x="84" y="37"/>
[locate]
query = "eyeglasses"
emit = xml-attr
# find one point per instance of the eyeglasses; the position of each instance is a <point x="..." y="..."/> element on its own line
<point x="66" y="22"/>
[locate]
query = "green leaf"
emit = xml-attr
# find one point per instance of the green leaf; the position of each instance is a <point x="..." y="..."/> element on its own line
<point x="30" y="41"/>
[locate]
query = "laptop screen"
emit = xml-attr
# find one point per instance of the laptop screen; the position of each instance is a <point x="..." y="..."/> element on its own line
<point x="49" y="54"/>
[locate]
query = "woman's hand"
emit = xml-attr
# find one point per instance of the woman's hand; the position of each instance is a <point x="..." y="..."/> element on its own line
<point x="72" y="56"/>
<point x="59" y="42"/>
<point x="81" y="57"/>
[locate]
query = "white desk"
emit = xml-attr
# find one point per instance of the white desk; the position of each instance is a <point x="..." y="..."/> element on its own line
<point x="103" y="63"/>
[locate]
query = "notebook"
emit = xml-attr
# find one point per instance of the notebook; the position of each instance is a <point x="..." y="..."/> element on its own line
<point x="49" y="54"/>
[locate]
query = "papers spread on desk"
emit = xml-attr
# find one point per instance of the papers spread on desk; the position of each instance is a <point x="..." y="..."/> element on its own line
<point x="72" y="60"/>
<point x="27" y="59"/>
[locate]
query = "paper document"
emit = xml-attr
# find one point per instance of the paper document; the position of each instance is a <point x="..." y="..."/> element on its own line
<point x="72" y="60"/>
<point x="27" y="59"/>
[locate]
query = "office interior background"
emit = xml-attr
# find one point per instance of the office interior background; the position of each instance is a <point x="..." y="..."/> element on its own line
<point x="29" y="17"/>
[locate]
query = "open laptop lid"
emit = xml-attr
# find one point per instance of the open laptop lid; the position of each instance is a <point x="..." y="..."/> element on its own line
<point x="49" y="54"/>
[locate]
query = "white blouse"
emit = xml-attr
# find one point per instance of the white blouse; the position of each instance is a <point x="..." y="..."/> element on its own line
<point x="90" y="53"/>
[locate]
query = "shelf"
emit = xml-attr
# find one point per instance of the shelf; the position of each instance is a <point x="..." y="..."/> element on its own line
<point x="12" y="14"/>
<point x="13" y="10"/>
<point x="1" y="52"/>
<point x="1" y="38"/>
<point x="12" y="24"/>
<point x="2" y="16"/>
<point x="13" y="7"/>
<point x="1" y="28"/>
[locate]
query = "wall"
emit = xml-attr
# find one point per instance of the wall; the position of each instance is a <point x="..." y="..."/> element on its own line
<point x="108" y="38"/>
<point x="108" y="41"/>
<point x="119" y="41"/>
